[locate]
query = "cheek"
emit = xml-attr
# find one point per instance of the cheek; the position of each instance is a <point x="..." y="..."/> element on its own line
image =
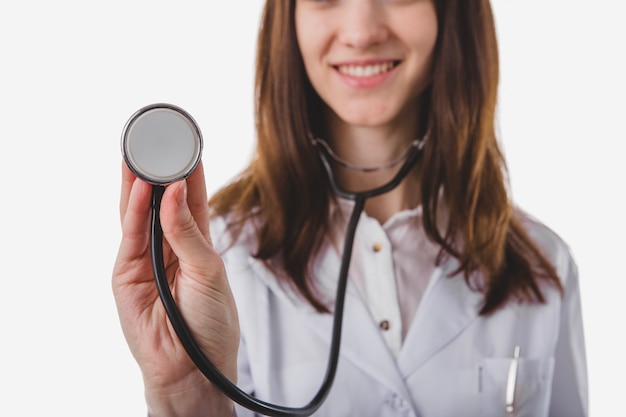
<point x="419" y="31"/>
<point x="306" y="45"/>
<point x="421" y="41"/>
<point x="313" y="34"/>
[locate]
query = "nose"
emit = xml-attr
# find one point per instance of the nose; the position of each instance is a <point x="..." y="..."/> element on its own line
<point x="362" y="24"/>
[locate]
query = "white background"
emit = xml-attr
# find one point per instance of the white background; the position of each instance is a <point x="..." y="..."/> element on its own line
<point x="72" y="72"/>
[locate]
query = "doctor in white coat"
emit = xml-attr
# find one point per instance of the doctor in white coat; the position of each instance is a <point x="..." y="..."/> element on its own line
<point x="452" y="362"/>
<point x="458" y="303"/>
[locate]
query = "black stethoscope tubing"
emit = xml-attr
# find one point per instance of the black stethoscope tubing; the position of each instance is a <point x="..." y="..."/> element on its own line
<point x="193" y="350"/>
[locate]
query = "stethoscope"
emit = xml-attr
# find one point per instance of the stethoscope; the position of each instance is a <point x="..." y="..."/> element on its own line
<point x="162" y="144"/>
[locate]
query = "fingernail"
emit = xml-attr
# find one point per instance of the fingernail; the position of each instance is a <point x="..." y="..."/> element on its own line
<point x="181" y="193"/>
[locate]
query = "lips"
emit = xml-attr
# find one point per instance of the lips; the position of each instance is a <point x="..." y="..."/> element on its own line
<point x="366" y="70"/>
<point x="366" y="75"/>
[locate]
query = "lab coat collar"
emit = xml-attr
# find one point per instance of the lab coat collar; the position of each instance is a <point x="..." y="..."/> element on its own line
<point x="447" y="308"/>
<point x="361" y="342"/>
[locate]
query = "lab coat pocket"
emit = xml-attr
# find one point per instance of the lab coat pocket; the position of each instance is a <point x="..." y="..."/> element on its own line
<point x="532" y="386"/>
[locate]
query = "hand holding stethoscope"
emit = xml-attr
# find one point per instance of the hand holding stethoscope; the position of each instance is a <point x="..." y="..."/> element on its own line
<point x="196" y="313"/>
<point x="195" y="273"/>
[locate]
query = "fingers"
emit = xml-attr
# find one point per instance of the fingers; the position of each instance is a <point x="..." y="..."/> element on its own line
<point x="128" y="178"/>
<point x="135" y="232"/>
<point x="181" y="229"/>
<point x="136" y="215"/>
<point x="197" y="196"/>
<point x="198" y="201"/>
<point x="184" y="213"/>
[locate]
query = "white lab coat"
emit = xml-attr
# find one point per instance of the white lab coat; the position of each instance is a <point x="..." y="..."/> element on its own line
<point x="453" y="362"/>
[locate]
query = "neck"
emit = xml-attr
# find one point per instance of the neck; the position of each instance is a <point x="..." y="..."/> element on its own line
<point x="405" y="196"/>
<point x="366" y="146"/>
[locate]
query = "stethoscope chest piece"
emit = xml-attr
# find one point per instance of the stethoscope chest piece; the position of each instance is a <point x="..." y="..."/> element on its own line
<point x="161" y="144"/>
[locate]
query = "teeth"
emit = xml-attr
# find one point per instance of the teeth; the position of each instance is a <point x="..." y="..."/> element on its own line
<point x="364" y="71"/>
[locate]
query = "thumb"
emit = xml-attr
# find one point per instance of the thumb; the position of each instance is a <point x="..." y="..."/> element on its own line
<point x="181" y="230"/>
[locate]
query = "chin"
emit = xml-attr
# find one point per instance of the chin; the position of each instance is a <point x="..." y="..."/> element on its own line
<point x="365" y="119"/>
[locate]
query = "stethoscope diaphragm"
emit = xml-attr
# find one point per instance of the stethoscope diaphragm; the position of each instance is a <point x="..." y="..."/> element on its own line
<point x="161" y="143"/>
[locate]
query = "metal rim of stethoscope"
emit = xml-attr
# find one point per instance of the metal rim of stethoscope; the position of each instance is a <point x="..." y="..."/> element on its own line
<point x="136" y="167"/>
<point x="182" y="331"/>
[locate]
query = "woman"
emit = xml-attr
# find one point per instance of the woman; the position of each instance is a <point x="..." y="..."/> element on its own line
<point x="448" y="279"/>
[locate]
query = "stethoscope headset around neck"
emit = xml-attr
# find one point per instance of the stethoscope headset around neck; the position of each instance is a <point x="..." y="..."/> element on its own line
<point x="161" y="144"/>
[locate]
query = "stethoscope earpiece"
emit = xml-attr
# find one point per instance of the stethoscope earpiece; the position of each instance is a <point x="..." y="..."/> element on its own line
<point x="161" y="143"/>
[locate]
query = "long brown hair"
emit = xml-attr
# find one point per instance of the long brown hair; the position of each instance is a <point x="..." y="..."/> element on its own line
<point x="287" y="193"/>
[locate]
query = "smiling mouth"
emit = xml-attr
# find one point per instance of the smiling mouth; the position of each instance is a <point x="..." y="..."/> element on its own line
<point x="369" y="70"/>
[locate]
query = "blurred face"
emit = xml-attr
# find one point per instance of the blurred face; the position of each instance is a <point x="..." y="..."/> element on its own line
<point x="369" y="60"/>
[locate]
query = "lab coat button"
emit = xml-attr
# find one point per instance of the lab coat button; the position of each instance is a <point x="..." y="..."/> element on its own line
<point x="384" y="325"/>
<point x="377" y="247"/>
<point x="397" y="403"/>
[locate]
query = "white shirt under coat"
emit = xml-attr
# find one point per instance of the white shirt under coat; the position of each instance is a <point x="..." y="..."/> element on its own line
<point x="436" y="357"/>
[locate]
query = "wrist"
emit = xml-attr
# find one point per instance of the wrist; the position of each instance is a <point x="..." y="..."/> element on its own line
<point x="189" y="399"/>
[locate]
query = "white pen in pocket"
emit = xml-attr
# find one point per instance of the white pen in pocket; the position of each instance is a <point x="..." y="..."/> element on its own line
<point x="512" y="382"/>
